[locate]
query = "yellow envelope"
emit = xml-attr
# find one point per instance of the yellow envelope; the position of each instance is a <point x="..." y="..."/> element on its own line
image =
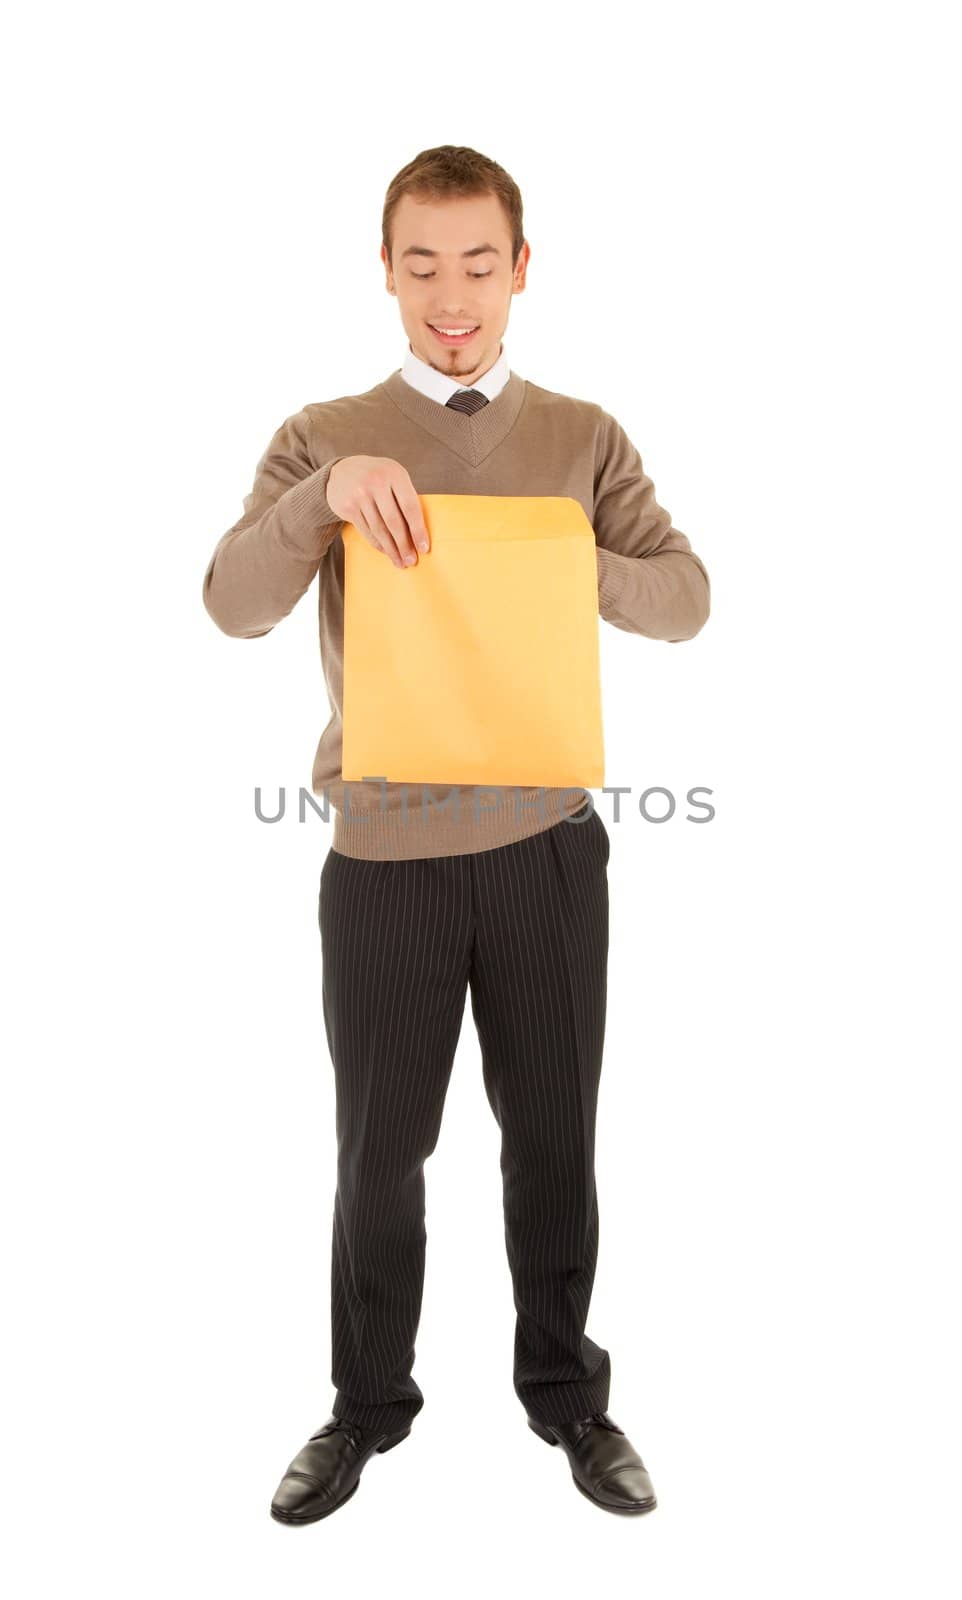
<point x="479" y="664"/>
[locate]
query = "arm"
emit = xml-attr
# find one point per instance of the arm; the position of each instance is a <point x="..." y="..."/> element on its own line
<point x="262" y="566"/>
<point x="649" y="579"/>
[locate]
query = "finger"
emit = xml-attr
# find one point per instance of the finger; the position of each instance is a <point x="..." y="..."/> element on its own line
<point x="371" y="527"/>
<point x="413" y="514"/>
<point x="393" y="525"/>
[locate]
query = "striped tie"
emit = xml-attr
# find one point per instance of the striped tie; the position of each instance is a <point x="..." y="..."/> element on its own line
<point x="469" y="400"/>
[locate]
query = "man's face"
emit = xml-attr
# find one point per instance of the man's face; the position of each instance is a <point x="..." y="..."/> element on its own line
<point x="440" y="284"/>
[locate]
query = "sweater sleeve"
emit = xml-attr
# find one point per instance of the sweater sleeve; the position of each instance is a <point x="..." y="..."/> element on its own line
<point x="649" y="579"/>
<point x="262" y="565"/>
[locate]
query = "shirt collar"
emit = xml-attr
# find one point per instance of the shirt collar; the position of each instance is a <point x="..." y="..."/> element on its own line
<point x="438" y="386"/>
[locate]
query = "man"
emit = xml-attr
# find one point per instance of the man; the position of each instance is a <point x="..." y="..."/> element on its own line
<point x="421" y="899"/>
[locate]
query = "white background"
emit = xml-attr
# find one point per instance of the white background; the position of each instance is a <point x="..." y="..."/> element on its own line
<point x="740" y="220"/>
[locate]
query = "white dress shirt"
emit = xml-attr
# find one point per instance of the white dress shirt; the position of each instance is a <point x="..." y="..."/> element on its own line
<point x="438" y="386"/>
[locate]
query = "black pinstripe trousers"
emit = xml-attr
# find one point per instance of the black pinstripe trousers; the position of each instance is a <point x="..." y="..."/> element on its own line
<point x="525" y="926"/>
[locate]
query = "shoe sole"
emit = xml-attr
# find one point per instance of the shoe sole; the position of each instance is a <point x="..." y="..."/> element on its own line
<point x="624" y="1511"/>
<point x="293" y="1521"/>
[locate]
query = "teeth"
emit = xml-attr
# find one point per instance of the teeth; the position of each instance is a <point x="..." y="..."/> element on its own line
<point x="451" y="330"/>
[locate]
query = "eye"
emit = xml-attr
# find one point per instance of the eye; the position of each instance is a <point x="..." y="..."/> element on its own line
<point x="470" y="274"/>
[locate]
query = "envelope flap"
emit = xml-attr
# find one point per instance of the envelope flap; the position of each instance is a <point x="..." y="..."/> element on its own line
<point x="501" y="517"/>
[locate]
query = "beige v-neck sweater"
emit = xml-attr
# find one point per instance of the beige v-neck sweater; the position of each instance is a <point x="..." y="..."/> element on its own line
<point x="526" y="441"/>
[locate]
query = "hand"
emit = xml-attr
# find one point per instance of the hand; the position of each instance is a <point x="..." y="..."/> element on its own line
<point x="377" y="496"/>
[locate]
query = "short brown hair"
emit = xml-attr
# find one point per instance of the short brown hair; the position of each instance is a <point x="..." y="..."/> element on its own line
<point x="451" y="170"/>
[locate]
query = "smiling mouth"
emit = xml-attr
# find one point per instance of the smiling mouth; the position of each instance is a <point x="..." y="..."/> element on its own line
<point x="453" y="339"/>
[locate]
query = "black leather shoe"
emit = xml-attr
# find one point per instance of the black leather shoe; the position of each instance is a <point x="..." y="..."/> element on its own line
<point x="604" y="1465"/>
<point x="328" y="1469"/>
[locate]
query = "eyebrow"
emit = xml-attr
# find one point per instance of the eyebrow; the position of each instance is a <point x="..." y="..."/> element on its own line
<point x="422" y="250"/>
